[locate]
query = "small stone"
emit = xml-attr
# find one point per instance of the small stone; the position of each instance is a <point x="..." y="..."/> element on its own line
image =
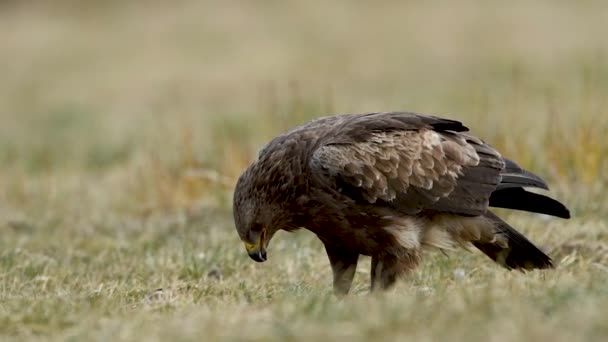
<point x="459" y="273"/>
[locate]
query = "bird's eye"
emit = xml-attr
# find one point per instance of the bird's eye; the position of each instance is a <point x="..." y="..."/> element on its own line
<point x="257" y="227"/>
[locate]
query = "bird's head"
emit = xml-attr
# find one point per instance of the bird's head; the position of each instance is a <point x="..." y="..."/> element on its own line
<point x="255" y="219"/>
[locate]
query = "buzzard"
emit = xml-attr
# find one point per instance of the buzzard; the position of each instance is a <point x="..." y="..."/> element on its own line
<point x="386" y="185"/>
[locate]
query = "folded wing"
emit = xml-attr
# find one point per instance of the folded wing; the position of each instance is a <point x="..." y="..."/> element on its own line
<point x="411" y="162"/>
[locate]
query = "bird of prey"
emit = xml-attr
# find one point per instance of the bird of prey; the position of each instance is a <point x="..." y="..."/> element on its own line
<point x="387" y="185"/>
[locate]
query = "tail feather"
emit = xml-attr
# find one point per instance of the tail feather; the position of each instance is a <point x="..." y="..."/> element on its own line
<point x="520" y="199"/>
<point x="520" y="252"/>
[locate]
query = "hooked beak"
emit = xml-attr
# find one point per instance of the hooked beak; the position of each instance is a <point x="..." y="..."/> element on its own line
<point x="256" y="250"/>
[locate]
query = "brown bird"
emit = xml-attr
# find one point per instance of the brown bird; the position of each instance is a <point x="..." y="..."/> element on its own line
<point x="386" y="185"/>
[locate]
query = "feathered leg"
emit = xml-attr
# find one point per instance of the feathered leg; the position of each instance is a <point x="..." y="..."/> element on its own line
<point x="343" y="265"/>
<point x="388" y="267"/>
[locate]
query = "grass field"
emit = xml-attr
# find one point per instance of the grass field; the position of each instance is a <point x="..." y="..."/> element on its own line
<point x="123" y="128"/>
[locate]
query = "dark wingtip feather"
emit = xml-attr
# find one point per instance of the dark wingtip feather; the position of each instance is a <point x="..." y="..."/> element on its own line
<point x="514" y="175"/>
<point x="448" y="125"/>
<point x="563" y="212"/>
<point x="520" y="199"/>
<point x="526" y="179"/>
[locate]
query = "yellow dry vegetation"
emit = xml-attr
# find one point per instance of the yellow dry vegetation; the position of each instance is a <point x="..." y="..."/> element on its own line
<point x="124" y="125"/>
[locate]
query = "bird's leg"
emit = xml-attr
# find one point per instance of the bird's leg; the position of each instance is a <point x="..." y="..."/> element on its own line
<point x="388" y="267"/>
<point x="384" y="271"/>
<point x="343" y="265"/>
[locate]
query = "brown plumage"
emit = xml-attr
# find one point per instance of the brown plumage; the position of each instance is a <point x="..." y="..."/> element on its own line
<point x="386" y="185"/>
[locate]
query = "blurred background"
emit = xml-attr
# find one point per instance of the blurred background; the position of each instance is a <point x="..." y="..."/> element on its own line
<point x="162" y="104"/>
<point x="125" y="124"/>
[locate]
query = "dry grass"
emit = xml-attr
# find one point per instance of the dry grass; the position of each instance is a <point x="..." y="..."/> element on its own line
<point x="124" y="127"/>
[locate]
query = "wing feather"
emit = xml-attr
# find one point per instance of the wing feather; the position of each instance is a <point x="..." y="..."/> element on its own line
<point x="411" y="162"/>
